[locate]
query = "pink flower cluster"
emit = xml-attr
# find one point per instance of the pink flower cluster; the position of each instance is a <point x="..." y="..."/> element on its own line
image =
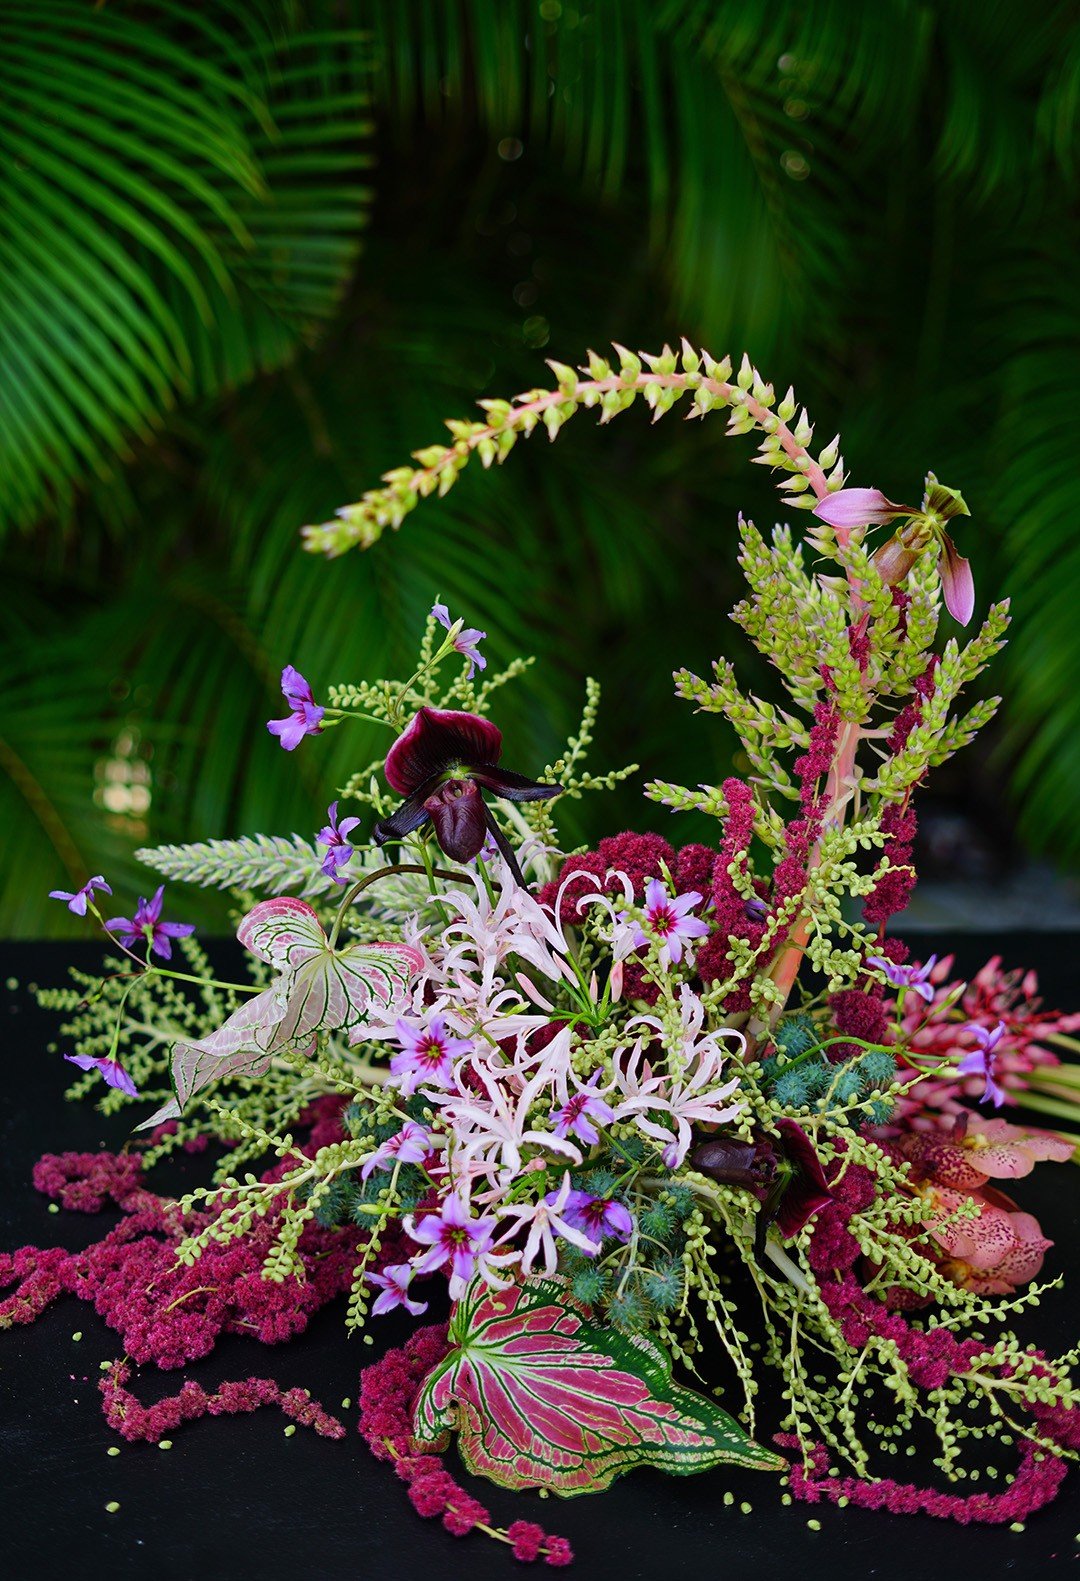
<point x="387" y="1391"/>
<point x="947" y="1029"/>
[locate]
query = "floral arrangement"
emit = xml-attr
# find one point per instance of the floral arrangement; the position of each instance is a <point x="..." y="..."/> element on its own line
<point x="640" y="1110"/>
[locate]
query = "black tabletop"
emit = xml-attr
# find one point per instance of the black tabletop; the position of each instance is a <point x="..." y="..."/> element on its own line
<point x="236" y="1497"/>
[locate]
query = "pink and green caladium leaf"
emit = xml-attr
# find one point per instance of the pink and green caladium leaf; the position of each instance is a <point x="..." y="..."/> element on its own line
<point x="319" y="990"/>
<point x="541" y="1398"/>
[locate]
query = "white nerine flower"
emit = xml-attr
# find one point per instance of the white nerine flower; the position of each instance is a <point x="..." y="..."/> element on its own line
<point x="546" y="1221"/>
<point x="691" y="1092"/>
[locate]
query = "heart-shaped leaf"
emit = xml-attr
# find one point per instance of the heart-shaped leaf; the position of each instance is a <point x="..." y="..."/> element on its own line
<point x="320" y="990"/>
<point x="542" y="1398"/>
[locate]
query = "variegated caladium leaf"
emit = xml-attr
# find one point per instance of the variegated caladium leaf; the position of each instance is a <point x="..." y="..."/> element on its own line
<point x="540" y="1397"/>
<point x="319" y="990"/>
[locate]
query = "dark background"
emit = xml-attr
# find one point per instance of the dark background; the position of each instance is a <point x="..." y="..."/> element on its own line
<point x="235" y="1497"/>
<point x="252" y="254"/>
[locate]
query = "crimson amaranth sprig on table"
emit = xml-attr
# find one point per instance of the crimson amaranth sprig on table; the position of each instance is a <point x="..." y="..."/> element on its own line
<point x="609" y="1103"/>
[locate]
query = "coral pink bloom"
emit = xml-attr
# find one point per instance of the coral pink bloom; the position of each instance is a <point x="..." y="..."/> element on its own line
<point x="993" y="1254"/>
<point x="977" y="1150"/>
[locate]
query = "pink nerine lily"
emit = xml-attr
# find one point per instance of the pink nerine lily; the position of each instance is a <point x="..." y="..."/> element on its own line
<point x="689" y="1093"/>
<point x="493" y="1126"/>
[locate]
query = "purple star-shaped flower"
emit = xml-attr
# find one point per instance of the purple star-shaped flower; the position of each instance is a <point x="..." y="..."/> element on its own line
<point x="427" y="1055"/>
<point x="394" y="1281"/>
<point x="146" y="924"/>
<point x="980" y="1061"/>
<point x="465" y="641"/>
<point x="77" y="900"/>
<point x="335" y="838"/>
<point x="598" y="1217"/>
<point x="580" y="1110"/>
<point x="111" y="1070"/>
<point x="306" y="717"/>
<point x="667" y="919"/>
<point x="411" y="1145"/>
<point x="454" y="1237"/>
<point x="916" y="978"/>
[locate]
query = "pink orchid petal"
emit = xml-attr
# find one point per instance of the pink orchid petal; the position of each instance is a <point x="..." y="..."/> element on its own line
<point x="957" y="582"/>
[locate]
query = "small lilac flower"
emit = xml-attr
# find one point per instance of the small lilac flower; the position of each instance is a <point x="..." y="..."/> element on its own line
<point x="306" y="717"/>
<point x="77" y="901"/>
<point x="335" y="838"/>
<point x="427" y="1054"/>
<point x="580" y="1110"/>
<point x="111" y="1070"/>
<point x="668" y="920"/>
<point x="980" y="1062"/>
<point x="465" y="642"/>
<point x="916" y="978"/>
<point x="411" y="1145"/>
<point x="394" y="1281"/>
<point x="598" y="1216"/>
<point x="455" y="1238"/>
<point x="146" y="924"/>
<point x="756" y="909"/>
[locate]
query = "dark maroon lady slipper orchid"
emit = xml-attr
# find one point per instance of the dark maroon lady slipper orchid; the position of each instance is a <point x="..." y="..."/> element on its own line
<point x="440" y="764"/>
<point x="783" y="1173"/>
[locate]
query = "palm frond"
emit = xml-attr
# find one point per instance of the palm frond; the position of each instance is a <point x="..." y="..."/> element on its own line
<point x="180" y="207"/>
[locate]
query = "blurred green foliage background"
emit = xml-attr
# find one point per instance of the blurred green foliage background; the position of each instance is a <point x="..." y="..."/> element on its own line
<point x="253" y="253"/>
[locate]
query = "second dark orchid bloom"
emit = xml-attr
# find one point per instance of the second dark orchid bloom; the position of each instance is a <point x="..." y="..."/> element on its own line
<point x="441" y="764"/>
<point x="784" y="1173"/>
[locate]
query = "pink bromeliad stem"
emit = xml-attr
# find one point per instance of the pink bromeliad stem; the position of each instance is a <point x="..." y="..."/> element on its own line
<point x="838" y="790"/>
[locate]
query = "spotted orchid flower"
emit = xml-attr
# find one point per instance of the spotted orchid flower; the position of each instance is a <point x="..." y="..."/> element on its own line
<point x="914" y="978"/>
<point x="146" y="925"/>
<point x="306" y="718"/>
<point x="466" y="639"/>
<point x="77" y="900"/>
<point x="441" y="764"/>
<point x="980" y="1061"/>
